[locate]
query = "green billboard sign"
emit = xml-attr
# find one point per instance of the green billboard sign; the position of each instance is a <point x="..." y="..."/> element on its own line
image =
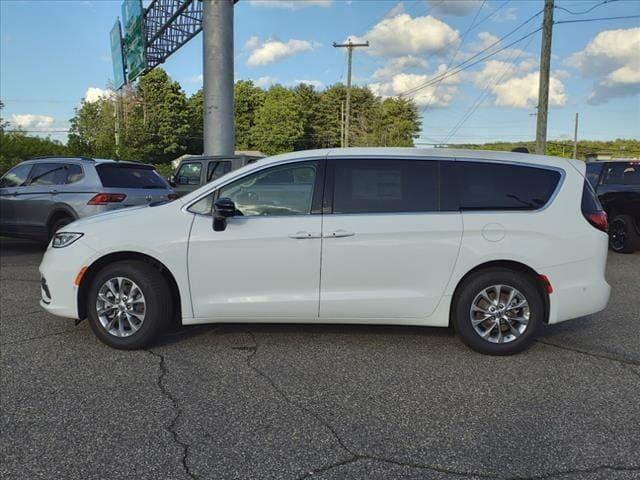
<point x="134" y="38"/>
<point x="116" y="56"/>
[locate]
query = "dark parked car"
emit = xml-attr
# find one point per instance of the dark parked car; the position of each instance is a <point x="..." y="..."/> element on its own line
<point x="41" y="195"/>
<point x="198" y="170"/>
<point x="617" y="184"/>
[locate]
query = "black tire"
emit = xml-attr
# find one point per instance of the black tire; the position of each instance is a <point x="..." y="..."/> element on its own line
<point x="623" y="237"/>
<point x="158" y="300"/>
<point x="476" y="283"/>
<point x="58" y="224"/>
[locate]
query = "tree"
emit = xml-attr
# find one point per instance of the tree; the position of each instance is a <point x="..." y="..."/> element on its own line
<point x="278" y="123"/>
<point x="3" y="123"/>
<point x="165" y="118"/>
<point x="399" y="123"/>
<point x="92" y="130"/>
<point x="307" y="100"/>
<point x="248" y="99"/>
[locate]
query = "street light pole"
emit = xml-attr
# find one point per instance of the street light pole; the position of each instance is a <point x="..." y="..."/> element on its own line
<point x="217" y="83"/>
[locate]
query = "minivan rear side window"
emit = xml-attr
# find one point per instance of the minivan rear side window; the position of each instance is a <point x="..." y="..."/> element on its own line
<point x="385" y="185"/>
<point x="498" y="186"/>
<point x="129" y="176"/>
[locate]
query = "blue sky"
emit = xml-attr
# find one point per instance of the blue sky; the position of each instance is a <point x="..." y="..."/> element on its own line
<point x="53" y="52"/>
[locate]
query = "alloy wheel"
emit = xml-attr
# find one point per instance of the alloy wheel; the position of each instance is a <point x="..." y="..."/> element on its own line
<point x="120" y="307"/>
<point x="500" y="314"/>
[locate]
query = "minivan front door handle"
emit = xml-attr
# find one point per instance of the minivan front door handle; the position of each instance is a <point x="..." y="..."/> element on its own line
<point x="304" y="235"/>
<point x="339" y="234"/>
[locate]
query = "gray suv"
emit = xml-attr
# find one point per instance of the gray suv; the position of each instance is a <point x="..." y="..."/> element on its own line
<point x="41" y="195"/>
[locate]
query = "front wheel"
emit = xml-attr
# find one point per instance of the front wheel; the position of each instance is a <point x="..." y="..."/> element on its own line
<point x="129" y="304"/>
<point x="498" y="311"/>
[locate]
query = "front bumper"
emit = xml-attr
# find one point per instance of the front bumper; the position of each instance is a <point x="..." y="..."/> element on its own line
<point x="58" y="271"/>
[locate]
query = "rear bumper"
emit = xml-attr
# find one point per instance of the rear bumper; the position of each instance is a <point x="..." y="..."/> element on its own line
<point x="580" y="288"/>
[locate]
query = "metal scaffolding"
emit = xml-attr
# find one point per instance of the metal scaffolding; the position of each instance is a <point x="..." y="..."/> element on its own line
<point x="169" y="24"/>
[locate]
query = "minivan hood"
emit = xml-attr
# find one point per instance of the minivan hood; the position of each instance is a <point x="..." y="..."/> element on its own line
<point x="104" y="217"/>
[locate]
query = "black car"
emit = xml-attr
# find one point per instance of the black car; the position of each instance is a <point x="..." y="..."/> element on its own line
<point x="617" y="184"/>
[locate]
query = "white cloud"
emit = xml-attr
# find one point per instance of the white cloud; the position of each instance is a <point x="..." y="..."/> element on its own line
<point x="315" y="83"/>
<point x="398" y="64"/>
<point x="93" y="94"/>
<point x="506" y="15"/>
<point x="516" y="86"/>
<point x="196" y="79"/>
<point x="266" y="81"/>
<point x="32" y="121"/>
<point x="522" y="92"/>
<point x="458" y="8"/>
<point x="612" y="58"/>
<point x="290" y="4"/>
<point x="269" y="51"/>
<point x="434" y="96"/>
<point x="486" y="43"/>
<point x="404" y="35"/>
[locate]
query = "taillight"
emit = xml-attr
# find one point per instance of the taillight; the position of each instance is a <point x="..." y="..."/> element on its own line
<point x="104" y="198"/>
<point x="598" y="220"/>
<point x="592" y="210"/>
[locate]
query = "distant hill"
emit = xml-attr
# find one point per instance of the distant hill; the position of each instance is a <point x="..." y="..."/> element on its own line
<point x="564" y="148"/>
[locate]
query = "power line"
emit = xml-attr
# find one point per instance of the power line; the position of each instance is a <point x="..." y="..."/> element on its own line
<point x="462" y="64"/>
<point x="436" y="79"/>
<point x="485" y="93"/>
<point x="593" y="7"/>
<point x="453" y="57"/>
<point x="596" y="19"/>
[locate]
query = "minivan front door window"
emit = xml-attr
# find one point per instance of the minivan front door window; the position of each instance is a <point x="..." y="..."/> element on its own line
<point x="285" y="190"/>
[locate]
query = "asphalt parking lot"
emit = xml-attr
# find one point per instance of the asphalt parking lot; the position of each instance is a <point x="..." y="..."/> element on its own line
<point x="322" y="402"/>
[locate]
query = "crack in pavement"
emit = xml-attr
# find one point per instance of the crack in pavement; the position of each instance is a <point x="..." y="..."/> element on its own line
<point x="590" y="354"/>
<point x="171" y="428"/>
<point x="354" y="456"/>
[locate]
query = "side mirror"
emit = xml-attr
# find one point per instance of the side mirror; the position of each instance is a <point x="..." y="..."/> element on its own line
<point x="223" y="208"/>
<point x="172" y="180"/>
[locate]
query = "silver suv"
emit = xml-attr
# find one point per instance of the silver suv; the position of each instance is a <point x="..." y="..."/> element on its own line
<point x="41" y="195"/>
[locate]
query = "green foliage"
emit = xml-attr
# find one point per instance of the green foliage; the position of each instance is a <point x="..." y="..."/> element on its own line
<point x="155" y="122"/>
<point x="278" y="122"/>
<point x="15" y="147"/>
<point x="248" y="100"/>
<point x="618" y="148"/>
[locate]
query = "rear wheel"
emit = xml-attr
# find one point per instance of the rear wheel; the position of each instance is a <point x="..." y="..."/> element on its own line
<point x="623" y="237"/>
<point x="498" y="311"/>
<point x="129" y="305"/>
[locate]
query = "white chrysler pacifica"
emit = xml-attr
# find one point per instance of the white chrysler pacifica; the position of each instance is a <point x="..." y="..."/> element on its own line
<point x="493" y="243"/>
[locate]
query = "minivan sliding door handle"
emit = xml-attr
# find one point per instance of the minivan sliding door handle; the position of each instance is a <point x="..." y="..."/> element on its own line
<point x="339" y="234"/>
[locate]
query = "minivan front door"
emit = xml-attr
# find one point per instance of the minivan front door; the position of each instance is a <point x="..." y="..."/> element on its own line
<point x="387" y="249"/>
<point x="266" y="263"/>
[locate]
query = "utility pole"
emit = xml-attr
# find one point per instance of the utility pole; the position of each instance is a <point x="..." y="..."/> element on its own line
<point x="217" y="84"/>
<point x="349" y="46"/>
<point x="575" y="138"/>
<point x="341" y="124"/>
<point x="543" y="89"/>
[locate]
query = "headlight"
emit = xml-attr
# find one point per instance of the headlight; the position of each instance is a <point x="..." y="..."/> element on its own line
<point x="64" y="239"/>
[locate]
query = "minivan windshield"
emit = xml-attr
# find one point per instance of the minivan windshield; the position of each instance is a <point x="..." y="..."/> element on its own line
<point x="127" y="176"/>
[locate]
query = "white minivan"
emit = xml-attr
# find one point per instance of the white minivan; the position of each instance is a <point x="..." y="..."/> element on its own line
<point x="493" y="243"/>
